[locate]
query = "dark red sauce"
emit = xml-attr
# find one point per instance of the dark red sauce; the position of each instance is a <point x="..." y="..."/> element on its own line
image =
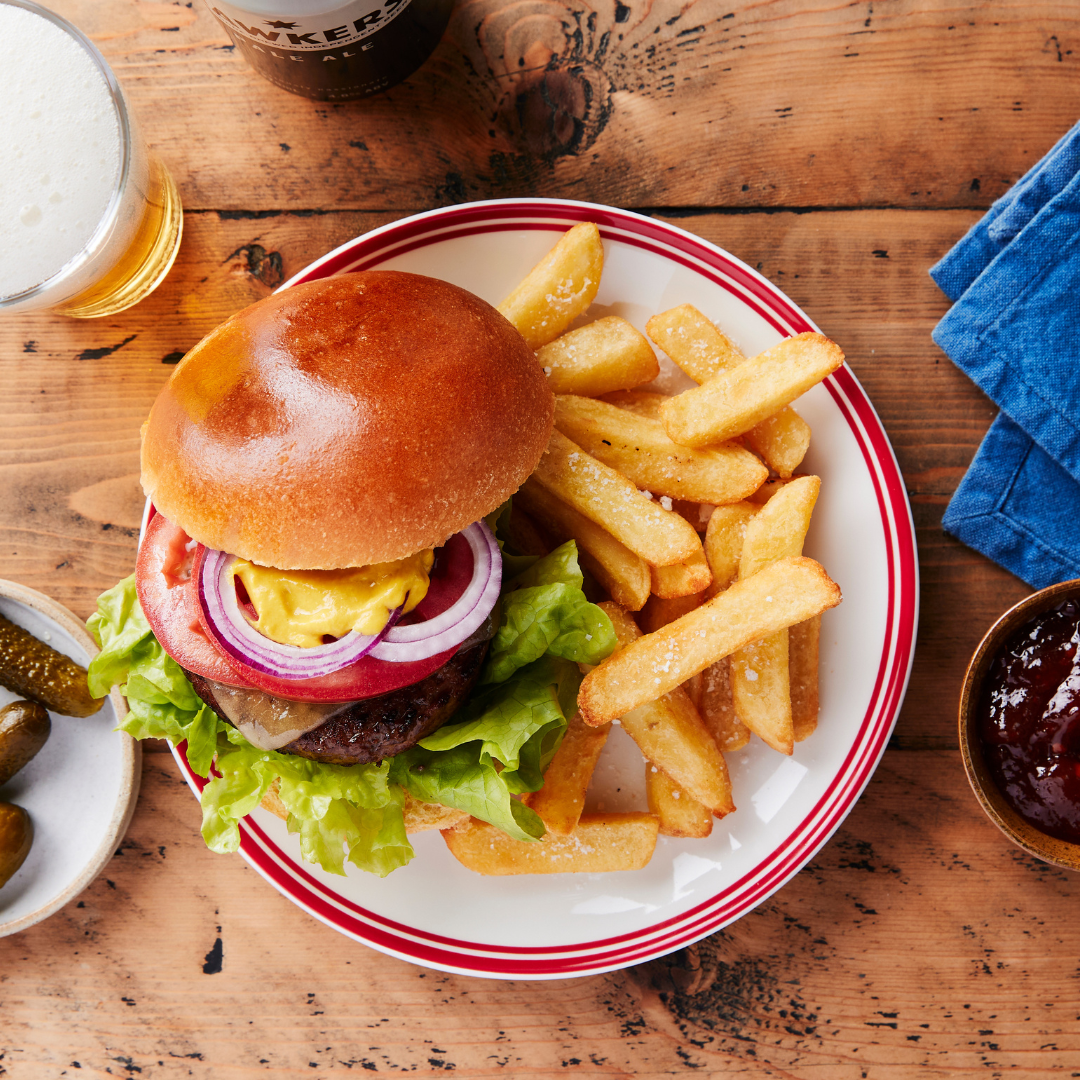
<point x="1029" y="721"/>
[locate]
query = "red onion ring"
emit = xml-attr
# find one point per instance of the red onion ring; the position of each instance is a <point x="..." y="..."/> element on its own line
<point x="217" y="595"/>
<point x="404" y="644"/>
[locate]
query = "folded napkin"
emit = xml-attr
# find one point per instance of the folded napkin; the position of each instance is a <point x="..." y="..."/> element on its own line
<point x="1015" y="329"/>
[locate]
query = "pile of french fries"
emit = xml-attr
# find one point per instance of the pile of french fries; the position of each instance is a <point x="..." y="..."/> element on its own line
<point x="725" y="639"/>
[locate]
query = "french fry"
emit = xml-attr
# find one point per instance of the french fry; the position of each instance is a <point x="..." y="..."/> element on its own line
<point x="803" y="640"/>
<point x="766" y="491"/>
<point x="625" y="576"/>
<point x="562" y="798"/>
<point x="559" y="288"/>
<point x="781" y="440"/>
<point x="600" y="844"/>
<point x="671" y="735"/>
<point x="606" y="497"/>
<point x="784" y="593"/>
<point x="723" y="550"/>
<point x="724" y="542"/>
<point x="641" y="450"/>
<point x="681" y="579"/>
<point x="679" y="814"/>
<point x="640" y="402"/>
<point x="522" y="534"/>
<point x="603" y="356"/>
<point x="734" y="401"/>
<point x="693" y="687"/>
<point x="718" y="710"/>
<point x="694" y="342"/>
<point x="779" y="528"/>
<point x="760" y="681"/>
<point x="659" y="612"/>
<point x="702" y="351"/>
<point x="696" y="513"/>
<point x="761" y="690"/>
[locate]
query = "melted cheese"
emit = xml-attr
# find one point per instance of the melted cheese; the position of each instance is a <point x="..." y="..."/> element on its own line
<point x="300" y="607"/>
<point x="270" y="722"/>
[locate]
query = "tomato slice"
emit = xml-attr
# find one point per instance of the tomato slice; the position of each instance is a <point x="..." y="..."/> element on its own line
<point x="368" y="677"/>
<point x="162" y="573"/>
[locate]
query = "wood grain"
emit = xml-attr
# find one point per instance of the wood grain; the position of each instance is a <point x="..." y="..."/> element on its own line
<point x="917" y="943"/>
<point x="784" y="103"/>
<point x="841" y="148"/>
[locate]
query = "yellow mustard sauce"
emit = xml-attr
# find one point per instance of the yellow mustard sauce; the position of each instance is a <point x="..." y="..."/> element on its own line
<point x="299" y="607"/>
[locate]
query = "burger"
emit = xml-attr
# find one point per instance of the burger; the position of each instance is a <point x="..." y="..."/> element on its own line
<point x="322" y="610"/>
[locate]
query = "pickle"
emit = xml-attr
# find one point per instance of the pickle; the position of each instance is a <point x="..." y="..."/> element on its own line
<point x="31" y="668"/>
<point x="16" y="836"/>
<point x="24" y="727"/>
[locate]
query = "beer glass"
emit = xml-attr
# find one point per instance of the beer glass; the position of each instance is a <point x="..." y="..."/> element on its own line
<point x="90" y="220"/>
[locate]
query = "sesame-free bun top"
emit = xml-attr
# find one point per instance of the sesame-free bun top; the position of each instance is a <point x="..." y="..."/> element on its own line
<point x="347" y="421"/>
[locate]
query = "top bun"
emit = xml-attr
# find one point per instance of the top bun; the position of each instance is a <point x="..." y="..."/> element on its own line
<point x="347" y="421"/>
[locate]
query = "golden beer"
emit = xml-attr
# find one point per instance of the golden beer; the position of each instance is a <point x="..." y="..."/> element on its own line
<point x="90" y="218"/>
<point x="141" y="268"/>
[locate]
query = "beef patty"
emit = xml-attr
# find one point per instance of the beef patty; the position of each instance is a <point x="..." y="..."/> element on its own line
<point x="380" y="727"/>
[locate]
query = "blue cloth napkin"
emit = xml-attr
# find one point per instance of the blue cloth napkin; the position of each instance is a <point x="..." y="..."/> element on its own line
<point x="1015" y="330"/>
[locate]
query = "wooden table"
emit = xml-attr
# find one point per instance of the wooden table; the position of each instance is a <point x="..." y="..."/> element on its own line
<point x="841" y="149"/>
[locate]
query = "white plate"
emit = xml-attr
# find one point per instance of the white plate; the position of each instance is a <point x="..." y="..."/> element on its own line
<point x="79" y="790"/>
<point x="436" y="913"/>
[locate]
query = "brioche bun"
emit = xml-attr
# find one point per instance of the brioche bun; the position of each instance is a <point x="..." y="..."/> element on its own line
<point x="347" y="421"/>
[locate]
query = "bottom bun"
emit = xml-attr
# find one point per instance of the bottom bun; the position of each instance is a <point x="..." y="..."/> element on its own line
<point x="419" y="816"/>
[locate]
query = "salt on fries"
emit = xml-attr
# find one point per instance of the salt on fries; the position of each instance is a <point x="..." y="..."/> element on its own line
<point x="669" y="732"/>
<point x="734" y="401"/>
<point x="640" y="449"/>
<point x="702" y="351"/>
<point x="603" y="356"/>
<point x="679" y="813"/>
<point x="597" y="491"/>
<point x="600" y="843"/>
<point x="784" y="593"/>
<point x="760" y="680"/>
<point x="731" y="625"/>
<point x="559" y="288"/>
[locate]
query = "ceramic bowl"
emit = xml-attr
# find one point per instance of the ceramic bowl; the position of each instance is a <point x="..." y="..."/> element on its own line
<point x="1022" y="833"/>
<point x="80" y="790"/>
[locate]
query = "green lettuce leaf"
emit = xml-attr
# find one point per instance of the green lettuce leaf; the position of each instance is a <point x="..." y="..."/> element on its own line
<point x="338" y="811"/>
<point x="545" y="611"/>
<point x="161" y="701"/>
<point x="500" y="746"/>
<point x="467" y="780"/>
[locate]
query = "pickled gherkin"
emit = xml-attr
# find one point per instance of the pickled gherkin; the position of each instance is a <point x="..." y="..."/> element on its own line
<point x="16" y="836"/>
<point x="24" y="728"/>
<point x="33" y="669"/>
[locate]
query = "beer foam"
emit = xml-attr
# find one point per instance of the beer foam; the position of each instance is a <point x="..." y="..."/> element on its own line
<point x="61" y="149"/>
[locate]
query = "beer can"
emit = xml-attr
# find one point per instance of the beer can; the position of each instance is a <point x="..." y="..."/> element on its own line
<point x="334" y="51"/>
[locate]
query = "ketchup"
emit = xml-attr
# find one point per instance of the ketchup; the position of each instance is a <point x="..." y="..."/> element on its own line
<point x="1029" y="721"/>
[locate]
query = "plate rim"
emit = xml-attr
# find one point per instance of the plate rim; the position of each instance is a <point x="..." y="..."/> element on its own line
<point x="130" y="760"/>
<point x="596" y="956"/>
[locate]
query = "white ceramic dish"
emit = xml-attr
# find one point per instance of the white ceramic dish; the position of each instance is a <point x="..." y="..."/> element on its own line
<point x="436" y="913"/>
<point x="80" y="789"/>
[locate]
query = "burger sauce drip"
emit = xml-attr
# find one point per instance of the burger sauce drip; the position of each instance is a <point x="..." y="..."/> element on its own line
<point x="1029" y="722"/>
